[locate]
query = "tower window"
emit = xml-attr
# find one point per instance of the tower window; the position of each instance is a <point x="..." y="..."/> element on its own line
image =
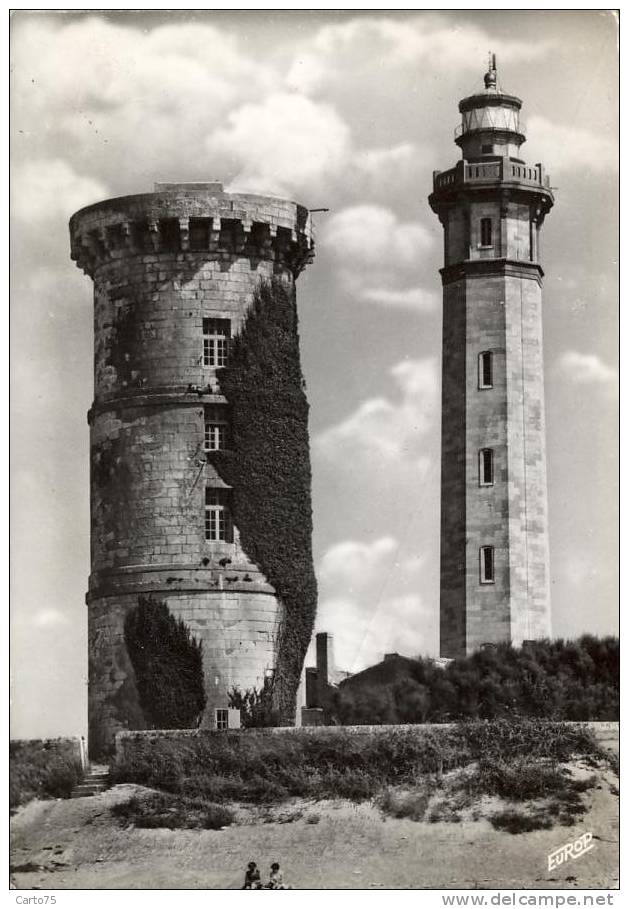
<point x="485" y="369"/>
<point x="199" y="234"/>
<point x="485" y="231"/>
<point x="218" y="523"/>
<point x="216" y="335"/>
<point x="486" y="466"/>
<point x="222" y="718"/>
<point x="216" y="436"/>
<point x="486" y="149"/>
<point x="169" y="231"/>
<point x="487" y="565"/>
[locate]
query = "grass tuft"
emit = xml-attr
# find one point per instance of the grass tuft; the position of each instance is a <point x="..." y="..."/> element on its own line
<point x="41" y="769"/>
<point x="173" y="812"/>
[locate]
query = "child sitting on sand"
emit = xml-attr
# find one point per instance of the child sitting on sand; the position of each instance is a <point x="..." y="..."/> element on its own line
<point x="276" y="880"/>
<point x="252" y="877"/>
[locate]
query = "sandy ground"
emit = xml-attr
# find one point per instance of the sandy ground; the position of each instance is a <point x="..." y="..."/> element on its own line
<point x="77" y="844"/>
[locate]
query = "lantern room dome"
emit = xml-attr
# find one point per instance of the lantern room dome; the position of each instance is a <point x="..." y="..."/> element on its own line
<point x="490" y="122"/>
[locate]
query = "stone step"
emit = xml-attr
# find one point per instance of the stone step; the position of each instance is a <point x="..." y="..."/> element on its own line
<point x="95" y="781"/>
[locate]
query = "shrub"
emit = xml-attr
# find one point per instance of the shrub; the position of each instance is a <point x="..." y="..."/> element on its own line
<point x="168" y="666"/>
<point x="561" y="680"/>
<point x="41" y="769"/>
<point x="173" y="812"/>
<point x="519" y="822"/>
<point x="412" y="805"/>
<point x="519" y="779"/>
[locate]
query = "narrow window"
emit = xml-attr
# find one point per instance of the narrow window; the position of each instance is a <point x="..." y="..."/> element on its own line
<point x="199" y="234"/>
<point x="487" y="564"/>
<point x="218" y="524"/>
<point x="216" y="437"/>
<point x="216" y="335"/>
<point x="169" y="233"/>
<point x="485" y="370"/>
<point x="485" y="231"/>
<point x="222" y="718"/>
<point x="486" y="466"/>
<point x="486" y="149"/>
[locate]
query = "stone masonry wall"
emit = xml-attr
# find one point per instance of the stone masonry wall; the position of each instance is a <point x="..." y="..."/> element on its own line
<point x="487" y="507"/>
<point x="501" y="314"/>
<point x="453" y="481"/>
<point x="528" y="517"/>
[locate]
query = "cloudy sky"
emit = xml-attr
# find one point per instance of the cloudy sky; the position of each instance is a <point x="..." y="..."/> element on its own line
<point x="349" y="111"/>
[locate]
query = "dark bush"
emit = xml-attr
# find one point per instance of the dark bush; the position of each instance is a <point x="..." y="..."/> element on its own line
<point x="514" y="821"/>
<point x="174" y="812"/>
<point x="168" y="666"/>
<point x="561" y="680"/>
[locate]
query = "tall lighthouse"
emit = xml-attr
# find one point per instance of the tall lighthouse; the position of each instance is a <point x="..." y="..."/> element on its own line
<point x="494" y="514"/>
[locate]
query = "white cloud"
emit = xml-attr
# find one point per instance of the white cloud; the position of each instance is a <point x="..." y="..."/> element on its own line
<point x="378" y="256"/>
<point x="352" y="565"/>
<point x="563" y="147"/>
<point x="283" y="144"/>
<point x="382" y="431"/>
<point x="587" y="369"/>
<point x="43" y="190"/>
<point x="120" y="65"/>
<point x="411" y="298"/>
<point x="369" y="602"/>
<point x="126" y="102"/>
<point x="372" y="235"/>
<point x="363" y="632"/>
<point x="369" y="44"/>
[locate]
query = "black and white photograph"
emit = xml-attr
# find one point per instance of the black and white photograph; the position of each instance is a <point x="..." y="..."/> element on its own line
<point x="314" y="452"/>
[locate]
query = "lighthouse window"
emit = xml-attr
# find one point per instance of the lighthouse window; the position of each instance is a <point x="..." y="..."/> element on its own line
<point x="487" y="565"/>
<point x="218" y="525"/>
<point x="216" y="335"/>
<point x="485" y="231"/>
<point x="485" y="370"/>
<point x="216" y="428"/>
<point x="486" y="466"/>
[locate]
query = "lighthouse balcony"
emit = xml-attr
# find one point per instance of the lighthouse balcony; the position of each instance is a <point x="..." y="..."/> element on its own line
<point x="502" y="170"/>
<point x="491" y="173"/>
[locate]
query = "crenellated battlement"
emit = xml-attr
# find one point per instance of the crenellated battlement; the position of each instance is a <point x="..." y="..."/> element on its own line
<point x="192" y="220"/>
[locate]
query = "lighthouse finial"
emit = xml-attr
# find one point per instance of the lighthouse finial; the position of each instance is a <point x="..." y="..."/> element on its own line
<point x="490" y="76"/>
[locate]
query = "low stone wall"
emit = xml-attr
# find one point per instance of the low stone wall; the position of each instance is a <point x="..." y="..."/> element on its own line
<point x="127" y="740"/>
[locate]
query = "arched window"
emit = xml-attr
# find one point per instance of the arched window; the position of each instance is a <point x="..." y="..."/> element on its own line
<point x="485" y="369"/>
<point x="486" y="467"/>
<point x="487" y="564"/>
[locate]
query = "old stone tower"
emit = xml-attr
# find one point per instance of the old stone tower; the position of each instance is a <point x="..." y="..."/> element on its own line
<point x="174" y="273"/>
<point x="494" y="528"/>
